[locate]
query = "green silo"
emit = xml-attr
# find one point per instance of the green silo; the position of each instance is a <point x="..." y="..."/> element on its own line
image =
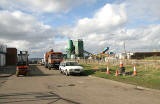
<point x="70" y="49"/>
<point x="79" y="50"/>
<point x="70" y="44"/>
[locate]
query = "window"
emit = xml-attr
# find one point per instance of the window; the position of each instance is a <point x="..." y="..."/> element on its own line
<point x="56" y="56"/>
<point x="71" y="64"/>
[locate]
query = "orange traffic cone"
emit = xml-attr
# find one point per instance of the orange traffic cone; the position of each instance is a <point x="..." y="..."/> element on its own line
<point x="121" y="64"/>
<point x="108" y="72"/>
<point x="117" y="73"/>
<point x="134" y="70"/>
<point x="96" y="68"/>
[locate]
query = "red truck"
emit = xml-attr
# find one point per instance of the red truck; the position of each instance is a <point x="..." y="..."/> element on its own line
<point x="52" y="59"/>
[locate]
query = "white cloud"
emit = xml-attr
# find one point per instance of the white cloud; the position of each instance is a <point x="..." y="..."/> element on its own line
<point x="107" y="28"/>
<point x="106" y="19"/>
<point x="25" y="32"/>
<point x="143" y="9"/>
<point x="97" y="31"/>
<point x="42" y="6"/>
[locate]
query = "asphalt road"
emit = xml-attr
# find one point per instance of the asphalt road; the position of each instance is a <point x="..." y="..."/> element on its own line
<point x="50" y="87"/>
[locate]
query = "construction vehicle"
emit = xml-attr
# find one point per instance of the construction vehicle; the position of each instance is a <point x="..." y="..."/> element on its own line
<point x="22" y="64"/>
<point x="52" y="59"/>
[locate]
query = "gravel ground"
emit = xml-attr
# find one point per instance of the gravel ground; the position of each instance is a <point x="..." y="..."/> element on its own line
<point x="45" y="86"/>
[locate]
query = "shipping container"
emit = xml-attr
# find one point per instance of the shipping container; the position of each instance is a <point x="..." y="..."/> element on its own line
<point x="2" y="59"/>
<point x="11" y="56"/>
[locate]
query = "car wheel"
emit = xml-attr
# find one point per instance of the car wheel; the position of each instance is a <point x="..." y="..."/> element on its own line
<point x="63" y="72"/>
<point x="81" y="74"/>
<point x="67" y="74"/>
<point x="60" y="71"/>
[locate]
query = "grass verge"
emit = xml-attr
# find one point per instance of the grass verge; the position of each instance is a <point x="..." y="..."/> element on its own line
<point x="147" y="75"/>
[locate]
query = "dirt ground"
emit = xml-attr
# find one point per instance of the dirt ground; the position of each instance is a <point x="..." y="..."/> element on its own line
<point x="45" y="86"/>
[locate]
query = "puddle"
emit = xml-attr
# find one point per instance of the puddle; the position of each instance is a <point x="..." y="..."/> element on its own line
<point x="59" y="86"/>
<point x="71" y="85"/>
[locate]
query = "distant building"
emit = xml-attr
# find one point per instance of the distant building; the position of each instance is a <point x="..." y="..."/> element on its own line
<point x="3" y="54"/>
<point x="142" y="55"/>
<point x="137" y="55"/>
<point x="11" y="56"/>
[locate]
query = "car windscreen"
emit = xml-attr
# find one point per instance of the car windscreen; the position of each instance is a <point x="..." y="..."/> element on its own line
<point x="56" y="56"/>
<point x="71" y="64"/>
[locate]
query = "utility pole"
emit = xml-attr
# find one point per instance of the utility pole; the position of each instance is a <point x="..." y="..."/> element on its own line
<point x="124" y="46"/>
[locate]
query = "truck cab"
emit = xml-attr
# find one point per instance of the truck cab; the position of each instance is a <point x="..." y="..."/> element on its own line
<point x="53" y="59"/>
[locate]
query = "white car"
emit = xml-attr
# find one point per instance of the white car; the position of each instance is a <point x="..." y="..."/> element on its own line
<point x="70" y="67"/>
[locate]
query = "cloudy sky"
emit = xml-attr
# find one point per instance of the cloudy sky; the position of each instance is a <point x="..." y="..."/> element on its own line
<point x="38" y="25"/>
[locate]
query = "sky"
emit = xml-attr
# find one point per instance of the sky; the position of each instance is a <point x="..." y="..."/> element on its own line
<point x="39" y="25"/>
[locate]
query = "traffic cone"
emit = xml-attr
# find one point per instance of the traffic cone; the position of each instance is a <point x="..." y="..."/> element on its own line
<point x="96" y="68"/>
<point x="134" y="70"/>
<point x="108" y="72"/>
<point x="117" y="73"/>
<point x="121" y="64"/>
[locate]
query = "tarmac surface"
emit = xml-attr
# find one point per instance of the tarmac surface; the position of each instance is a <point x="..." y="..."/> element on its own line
<point x="45" y="86"/>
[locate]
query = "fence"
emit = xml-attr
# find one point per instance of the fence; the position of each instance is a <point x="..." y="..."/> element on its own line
<point x="117" y="61"/>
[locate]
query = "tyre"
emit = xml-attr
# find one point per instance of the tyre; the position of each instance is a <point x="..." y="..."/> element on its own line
<point x="27" y="73"/>
<point x="60" y="71"/>
<point x="49" y="68"/>
<point x="66" y="72"/>
<point x="63" y="72"/>
<point x="81" y="74"/>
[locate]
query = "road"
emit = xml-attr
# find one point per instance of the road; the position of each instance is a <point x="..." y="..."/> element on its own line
<point x="50" y="87"/>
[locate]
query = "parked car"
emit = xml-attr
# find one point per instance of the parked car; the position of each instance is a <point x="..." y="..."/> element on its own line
<point x="70" y="67"/>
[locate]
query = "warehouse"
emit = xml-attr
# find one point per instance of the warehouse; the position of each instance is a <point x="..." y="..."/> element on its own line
<point x="11" y="56"/>
<point x="142" y="55"/>
<point x="2" y="55"/>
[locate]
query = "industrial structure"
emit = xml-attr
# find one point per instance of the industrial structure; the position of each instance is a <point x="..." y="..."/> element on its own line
<point x="8" y="56"/>
<point x="3" y="51"/>
<point x="75" y="49"/>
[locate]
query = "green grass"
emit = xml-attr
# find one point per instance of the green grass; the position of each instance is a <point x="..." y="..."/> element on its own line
<point x="152" y="58"/>
<point x="147" y="76"/>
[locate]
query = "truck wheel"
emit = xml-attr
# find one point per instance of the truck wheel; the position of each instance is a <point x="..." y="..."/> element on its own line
<point x="49" y="68"/>
<point x="27" y="73"/>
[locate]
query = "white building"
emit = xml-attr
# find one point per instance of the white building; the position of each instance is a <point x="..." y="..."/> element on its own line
<point x="3" y="51"/>
<point x="124" y="55"/>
